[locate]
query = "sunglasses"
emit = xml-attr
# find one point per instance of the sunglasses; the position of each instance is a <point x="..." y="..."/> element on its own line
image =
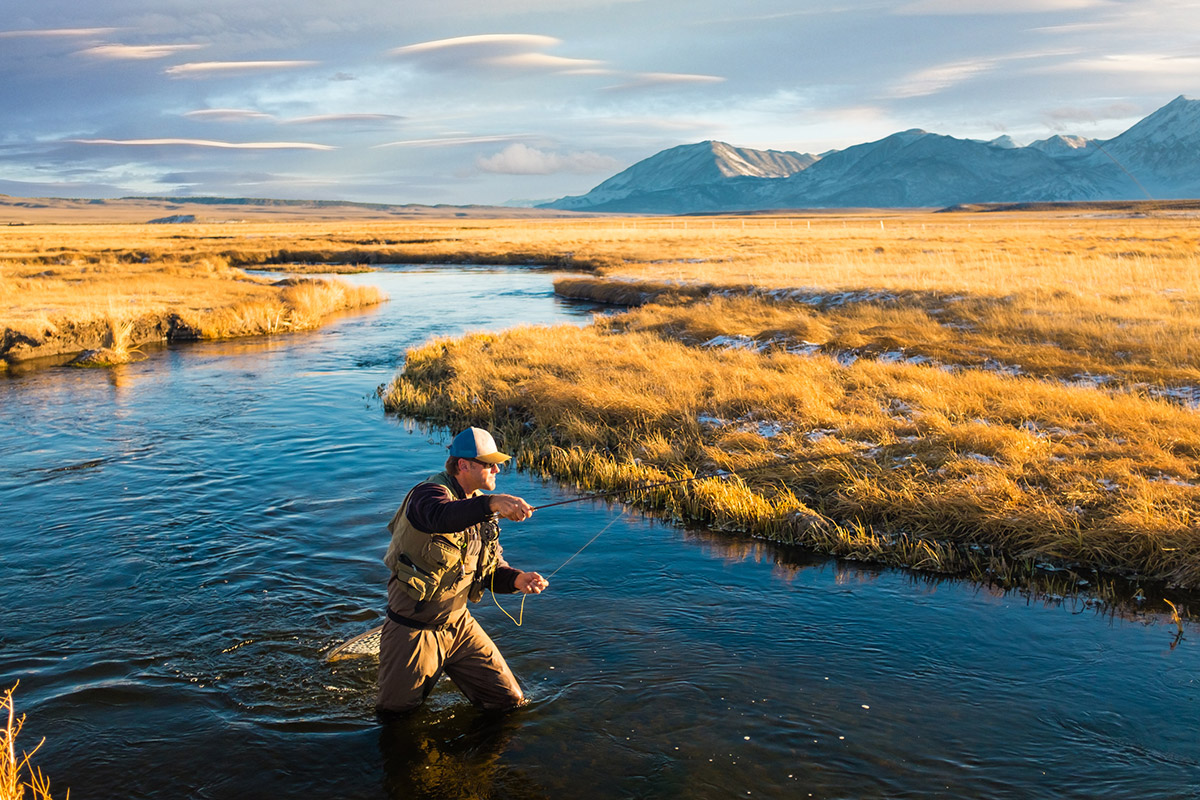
<point x="482" y="463"/>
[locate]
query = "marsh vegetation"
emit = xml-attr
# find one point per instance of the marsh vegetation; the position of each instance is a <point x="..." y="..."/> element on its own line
<point x="939" y="390"/>
<point x="937" y="400"/>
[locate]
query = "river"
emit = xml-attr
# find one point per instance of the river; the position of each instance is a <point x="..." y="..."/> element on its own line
<point x="183" y="539"/>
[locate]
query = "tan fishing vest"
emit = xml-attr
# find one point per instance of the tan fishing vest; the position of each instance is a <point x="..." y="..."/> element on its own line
<point x="428" y="564"/>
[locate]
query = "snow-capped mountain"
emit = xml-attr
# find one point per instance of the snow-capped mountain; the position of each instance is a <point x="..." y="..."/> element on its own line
<point x="1162" y="152"/>
<point x="687" y="166"/>
<point x="1158" y="157"/>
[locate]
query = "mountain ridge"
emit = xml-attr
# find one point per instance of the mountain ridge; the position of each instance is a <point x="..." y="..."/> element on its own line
<point x="1156" y="158"/>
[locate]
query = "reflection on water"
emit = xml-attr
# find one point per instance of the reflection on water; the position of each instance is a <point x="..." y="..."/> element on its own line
<point x="185" y="537"/>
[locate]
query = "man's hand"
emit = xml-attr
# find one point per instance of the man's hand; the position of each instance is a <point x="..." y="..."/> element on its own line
<point x="510" y="507"/>
<point x="531" y="583"/>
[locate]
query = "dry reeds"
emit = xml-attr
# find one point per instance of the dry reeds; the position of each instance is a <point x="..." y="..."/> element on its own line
<point x="17" y="773"/>
<point x="109" y="307"/>
<point x="887" y="461"/>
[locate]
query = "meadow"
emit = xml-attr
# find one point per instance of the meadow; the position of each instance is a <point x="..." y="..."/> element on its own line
<point x="996" y="392"/>
<point x="1002" y="395"/>
<point x="85" y="290"/>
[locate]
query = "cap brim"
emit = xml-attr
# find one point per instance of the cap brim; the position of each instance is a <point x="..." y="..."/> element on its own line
<point x="493" y="458"/>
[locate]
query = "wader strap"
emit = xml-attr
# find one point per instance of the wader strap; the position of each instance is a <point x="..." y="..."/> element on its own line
<point x="412" y="623"/>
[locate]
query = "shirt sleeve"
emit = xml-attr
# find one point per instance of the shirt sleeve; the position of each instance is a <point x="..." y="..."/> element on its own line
<point x="433" y="509"/>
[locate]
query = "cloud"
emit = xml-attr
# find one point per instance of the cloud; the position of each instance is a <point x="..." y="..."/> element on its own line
<point x="452" y="141"/>
<point x="643" y="80"/>
<point x="521" y="159"/>
<point x="935" y="79"/>
<point x="207" y="143"/>
<point x="515" y="51"/>
<point x="137" y="52"/>
<point x="1074" y="114"/>
<point x="1144" y="64"/>
<point x="58" y="32"/>
<point x="543" y="61"/>
<point x="489" y="44"/>
<point x="201" y="69"/>
<point x="249" y="115"/>
<point x="227" y="115"/>
<point x="214" y="176"/>
<point x="959" y="7"/>
<point x="325" y="118"/>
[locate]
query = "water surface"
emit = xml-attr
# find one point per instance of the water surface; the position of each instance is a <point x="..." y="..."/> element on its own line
<point x="185" y="537"/>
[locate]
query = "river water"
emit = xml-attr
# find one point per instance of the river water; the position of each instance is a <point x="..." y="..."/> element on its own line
<point x="184" y="538"/>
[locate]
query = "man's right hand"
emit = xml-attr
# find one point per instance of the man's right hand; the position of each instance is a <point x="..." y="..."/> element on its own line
<point x="510" y="507"/>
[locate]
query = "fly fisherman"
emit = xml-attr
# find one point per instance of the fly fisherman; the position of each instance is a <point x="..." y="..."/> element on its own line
<point x="445" y="551"/>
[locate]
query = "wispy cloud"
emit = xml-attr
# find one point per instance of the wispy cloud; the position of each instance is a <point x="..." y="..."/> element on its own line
<point x="319" y="119"/>
<point x="960" y="7"/>
<point x="521" y="159"/>
<point x="489" y="41"/>
<point x="935" y="79"/>
<point x="206" y="143"/>
<point x="141" y="52"/>
<point x="58" y="32"/>
<point x="452" y="141"/>
<point x="932" y="80"/>
<point x="643" y="80"/>
<point x="1074" y="114"/>
<point x="543" y="61"/>
<point x="1148" y="64"/>
<point x="513" y="51"/>
<point x="202" y="69"/>
<point x="228" y="115"/>
<point x="250" y="115"/>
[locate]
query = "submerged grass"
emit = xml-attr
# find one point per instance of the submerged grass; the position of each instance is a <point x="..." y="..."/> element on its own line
<point x="886" y="462"/>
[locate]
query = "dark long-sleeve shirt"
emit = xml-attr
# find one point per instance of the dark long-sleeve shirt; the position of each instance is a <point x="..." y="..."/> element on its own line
<point x="431" y="508"/>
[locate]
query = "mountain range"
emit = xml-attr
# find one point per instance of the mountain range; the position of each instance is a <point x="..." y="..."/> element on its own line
<point x="1158" y="158"/>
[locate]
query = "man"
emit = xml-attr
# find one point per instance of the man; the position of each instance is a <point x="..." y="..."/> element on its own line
<point x="445" y="551"/>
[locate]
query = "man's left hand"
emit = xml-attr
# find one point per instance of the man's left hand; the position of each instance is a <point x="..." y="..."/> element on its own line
<point x="531" y="583"/>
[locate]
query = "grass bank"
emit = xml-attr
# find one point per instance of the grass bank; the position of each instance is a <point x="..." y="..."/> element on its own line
<point x="107" y="308"/>
<point x="889" y="462"/>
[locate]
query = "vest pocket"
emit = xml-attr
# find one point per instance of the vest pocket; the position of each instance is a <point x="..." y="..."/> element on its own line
<point x="424" y="571"/>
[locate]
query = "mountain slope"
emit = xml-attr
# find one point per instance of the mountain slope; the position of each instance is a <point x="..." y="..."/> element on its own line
<point x="1159" y="156"/>
<point x="689" y="165"/>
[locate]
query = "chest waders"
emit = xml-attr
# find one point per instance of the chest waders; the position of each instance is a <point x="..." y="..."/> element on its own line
<point x="427" y="565"/>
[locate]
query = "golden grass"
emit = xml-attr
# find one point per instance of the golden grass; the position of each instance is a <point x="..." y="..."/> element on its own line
<point x="875" y="460"/>
<point x="112" y="302"/>
<point x="888" y="461"/>
<point x="964" y="331"/>
<point x="1044" y="292"/>
<point x="17" y="774"/>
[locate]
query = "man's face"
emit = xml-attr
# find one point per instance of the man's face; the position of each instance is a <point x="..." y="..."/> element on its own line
<point x="476" y="476"/>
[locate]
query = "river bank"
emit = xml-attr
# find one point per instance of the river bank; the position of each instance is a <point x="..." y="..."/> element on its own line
<point x="104" y="311"/>
<point x="186" y="537"/>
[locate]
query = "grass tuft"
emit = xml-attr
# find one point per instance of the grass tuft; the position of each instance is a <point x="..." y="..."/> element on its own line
<point x="17" y="773"/>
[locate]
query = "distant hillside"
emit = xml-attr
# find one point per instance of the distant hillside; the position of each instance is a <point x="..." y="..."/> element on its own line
<point x="688" y="169"/>
<point x="1157" y="158"/>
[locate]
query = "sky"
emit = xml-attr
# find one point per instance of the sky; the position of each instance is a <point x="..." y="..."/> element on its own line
<point x="493" y="101"/>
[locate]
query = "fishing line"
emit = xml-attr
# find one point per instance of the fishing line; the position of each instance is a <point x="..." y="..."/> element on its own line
<point x="521" y="614"/>
<point x="519" y="619"/>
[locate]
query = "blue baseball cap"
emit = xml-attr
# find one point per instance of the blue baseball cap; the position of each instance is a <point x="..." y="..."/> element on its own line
<point x="478" y="444"/>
